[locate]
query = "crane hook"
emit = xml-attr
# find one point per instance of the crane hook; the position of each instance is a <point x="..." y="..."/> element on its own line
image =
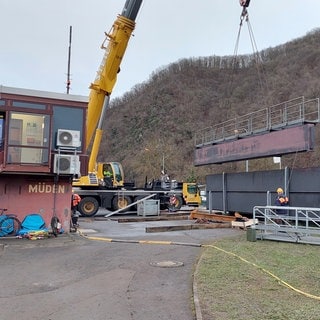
<point x="244" y="3"/>
<point x="244" y="13"/>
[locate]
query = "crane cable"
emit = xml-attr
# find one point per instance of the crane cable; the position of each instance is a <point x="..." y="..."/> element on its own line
<point x="244" y="16"/>
<point x="258" y="59"/>
<point x="256" y="55"/>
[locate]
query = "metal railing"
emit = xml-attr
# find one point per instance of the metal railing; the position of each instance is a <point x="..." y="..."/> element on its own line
<point x="298" y="224"/>
<point x="293" y="112"/>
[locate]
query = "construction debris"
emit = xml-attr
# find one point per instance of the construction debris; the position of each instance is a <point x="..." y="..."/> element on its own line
<point x="214" y="217"/>
<point x="244" y="224"/>
<point x="235" y="221"/>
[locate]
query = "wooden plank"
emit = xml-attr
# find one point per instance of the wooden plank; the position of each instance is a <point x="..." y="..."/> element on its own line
<point x="197" y="214"/>
<point x="244" y="224"/>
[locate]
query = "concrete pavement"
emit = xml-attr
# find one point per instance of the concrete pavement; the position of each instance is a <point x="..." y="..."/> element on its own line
<point x="73" y="277"/>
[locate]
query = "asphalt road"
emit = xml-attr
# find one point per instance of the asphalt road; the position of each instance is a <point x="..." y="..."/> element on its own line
<point x="78" y="277"/>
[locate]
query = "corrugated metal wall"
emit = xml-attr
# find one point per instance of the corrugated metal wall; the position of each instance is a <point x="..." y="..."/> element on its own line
<point x="230" y="192"/>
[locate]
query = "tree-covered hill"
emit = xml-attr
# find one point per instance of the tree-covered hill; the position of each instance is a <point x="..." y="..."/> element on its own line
<point x="154" y="124"/>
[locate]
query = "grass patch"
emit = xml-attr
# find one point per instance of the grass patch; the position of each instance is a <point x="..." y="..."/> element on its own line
<point x="229" y="288"/>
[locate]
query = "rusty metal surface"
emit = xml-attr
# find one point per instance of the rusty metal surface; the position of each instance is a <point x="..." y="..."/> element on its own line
<point x="295" y="139"/>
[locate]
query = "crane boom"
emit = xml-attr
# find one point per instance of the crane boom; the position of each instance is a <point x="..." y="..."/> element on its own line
<point x="102" y="87"/>
<point x="106" y="77"/>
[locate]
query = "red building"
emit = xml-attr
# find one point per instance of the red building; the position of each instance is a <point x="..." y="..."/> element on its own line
<point x="41" y="148"/>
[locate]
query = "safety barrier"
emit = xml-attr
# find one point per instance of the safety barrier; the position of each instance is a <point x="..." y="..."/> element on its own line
<point x="297" y="224"/>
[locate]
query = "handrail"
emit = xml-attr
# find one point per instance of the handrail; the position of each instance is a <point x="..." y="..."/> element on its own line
<point x="292" y="112"/>
<point x="299" y="224"/>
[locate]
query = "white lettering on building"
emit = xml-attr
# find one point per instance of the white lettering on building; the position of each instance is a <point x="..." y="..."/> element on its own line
<point x="42" y="187"/>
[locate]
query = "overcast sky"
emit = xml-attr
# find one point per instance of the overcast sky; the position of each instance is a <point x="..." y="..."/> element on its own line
<point x="35" y="36"/>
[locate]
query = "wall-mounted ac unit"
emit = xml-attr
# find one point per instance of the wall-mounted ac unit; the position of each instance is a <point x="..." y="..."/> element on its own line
<point x="66" y="164"/>
<point x="68" y="138"/>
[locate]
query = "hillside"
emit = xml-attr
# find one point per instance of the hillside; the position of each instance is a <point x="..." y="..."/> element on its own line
<point x="155" y="122"/>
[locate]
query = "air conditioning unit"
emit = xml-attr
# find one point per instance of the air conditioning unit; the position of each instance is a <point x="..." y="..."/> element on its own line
<point x="66" y="164"/>
<point x="68" y="138"/>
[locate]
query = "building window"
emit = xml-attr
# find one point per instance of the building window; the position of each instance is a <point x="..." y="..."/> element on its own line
<point x="28" y="141"/>
<point x="30" y="105"/>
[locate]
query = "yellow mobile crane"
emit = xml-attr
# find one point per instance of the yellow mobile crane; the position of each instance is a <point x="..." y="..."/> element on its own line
<point x="96" y="189"/>
<point x="99" y="98"/>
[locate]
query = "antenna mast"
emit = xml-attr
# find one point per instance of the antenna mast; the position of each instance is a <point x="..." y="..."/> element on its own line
<point x="69" y="58"/>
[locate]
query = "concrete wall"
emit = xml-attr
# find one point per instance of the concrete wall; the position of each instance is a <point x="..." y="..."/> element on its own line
<point x="23" y="195"/>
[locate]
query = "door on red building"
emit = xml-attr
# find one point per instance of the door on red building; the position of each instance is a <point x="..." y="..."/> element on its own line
<point x="15" y="138"/>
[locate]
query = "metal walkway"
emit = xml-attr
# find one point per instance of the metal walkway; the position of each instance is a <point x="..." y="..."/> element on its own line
<point x="299" y="225"/>
<point x="297" y="111"/>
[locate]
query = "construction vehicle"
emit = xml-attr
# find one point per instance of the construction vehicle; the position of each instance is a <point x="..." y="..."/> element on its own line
<point x="94" y="189"/>
<point x="116" y="200"/>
